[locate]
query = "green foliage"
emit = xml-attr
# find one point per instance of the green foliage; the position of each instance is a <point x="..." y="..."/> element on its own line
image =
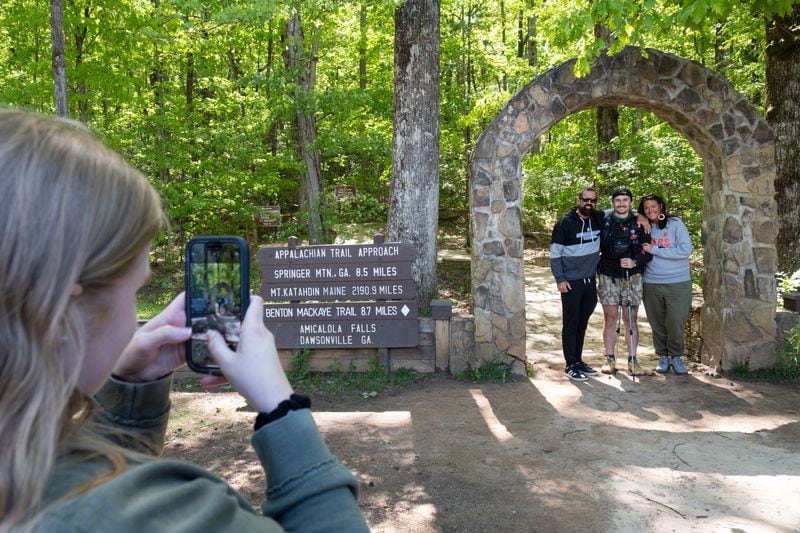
<point x="337" y="383"/>
<point x="792" y="351"/>
<point x="788" y="282"/>
<point x="741" y="370"/>
<point x="147" y="309"/>
<point x="166" y="282"/>
<point x="360" y="208"/>
<point x="713" y="27"/>
<point x="404" y="376"/>
<point x="197" y="96"/>
<point x="654" y="159"/>
<point x="697" y="273"/>
<point x="299" y="369"/>
<point x="336" y="366"/>
<point x="489" y="371"/>
<point x="375" y="367"/>
<point x="786" y="370"/>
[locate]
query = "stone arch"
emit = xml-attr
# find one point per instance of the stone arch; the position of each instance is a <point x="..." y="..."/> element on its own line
<point x="739" y="226"/>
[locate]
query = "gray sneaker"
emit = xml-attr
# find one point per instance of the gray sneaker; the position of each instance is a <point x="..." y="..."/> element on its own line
<point x="678" y="366"/>
<point x="663" y="365"/>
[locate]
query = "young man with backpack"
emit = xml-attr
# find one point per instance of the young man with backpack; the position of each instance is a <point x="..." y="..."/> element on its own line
<point x="622" y="262"/>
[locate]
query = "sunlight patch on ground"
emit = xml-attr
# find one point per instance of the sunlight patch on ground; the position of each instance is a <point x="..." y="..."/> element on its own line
<point x="565" y="398"/>
<point x="635" y="491"/>
<point x="328" y="420"/>
<point x="497" y="428"/>
<point x="416" y="517"/>
<point x="549" y="491"/>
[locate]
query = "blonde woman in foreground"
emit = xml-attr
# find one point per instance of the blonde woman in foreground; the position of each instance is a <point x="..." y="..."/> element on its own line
<point x="84" y="400"/>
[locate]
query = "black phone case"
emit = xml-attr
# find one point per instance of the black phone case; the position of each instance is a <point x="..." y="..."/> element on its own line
<point x="244" y="269"/>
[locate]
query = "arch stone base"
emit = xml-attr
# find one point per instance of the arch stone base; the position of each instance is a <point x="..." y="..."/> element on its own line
<point x="739" y="226"/>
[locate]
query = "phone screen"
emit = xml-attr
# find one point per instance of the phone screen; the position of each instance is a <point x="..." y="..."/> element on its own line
<point x="217" y="287"/>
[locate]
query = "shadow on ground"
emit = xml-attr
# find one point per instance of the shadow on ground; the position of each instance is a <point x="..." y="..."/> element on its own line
<point x="658" y="454"/>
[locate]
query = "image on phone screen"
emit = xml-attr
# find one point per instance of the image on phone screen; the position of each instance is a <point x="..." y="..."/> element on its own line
<point x="215" y="296"/>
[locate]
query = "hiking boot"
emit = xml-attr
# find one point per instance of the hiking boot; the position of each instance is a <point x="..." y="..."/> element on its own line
<point x="663" y="364"/>
<point x="610" y="366"/>
<point x="575" y="373"/>
<point x="634" y="368"/>
<point x="678" y="366"/>
<point x="586" y="369"/>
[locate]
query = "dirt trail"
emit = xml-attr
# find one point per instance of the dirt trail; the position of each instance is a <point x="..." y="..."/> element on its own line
<point x="662" y="453"/>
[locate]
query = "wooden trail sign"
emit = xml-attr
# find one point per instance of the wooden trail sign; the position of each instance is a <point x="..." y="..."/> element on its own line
<point x="342" y="192"/>
<point x="343" y="324"/>
<point x="267" y="216"/>
<point x="337" y="296"/>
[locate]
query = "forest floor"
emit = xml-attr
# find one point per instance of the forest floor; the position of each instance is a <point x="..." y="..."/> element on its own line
<point x="658" y="453"/>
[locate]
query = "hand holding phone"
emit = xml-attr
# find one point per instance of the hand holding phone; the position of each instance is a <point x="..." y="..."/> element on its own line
<point x="217" y="295"/>
<point x="157" y="348"/>
<point x="254" y="369"/>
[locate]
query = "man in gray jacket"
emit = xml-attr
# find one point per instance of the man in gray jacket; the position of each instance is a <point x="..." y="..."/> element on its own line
<point x="574" y="254"/>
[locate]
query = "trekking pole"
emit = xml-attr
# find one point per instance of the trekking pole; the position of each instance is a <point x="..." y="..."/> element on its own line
<point x="630" y="304"/>
<point x="635" y="251"/>
<point x="630" y="324"/>
<point x="619" y="322"/>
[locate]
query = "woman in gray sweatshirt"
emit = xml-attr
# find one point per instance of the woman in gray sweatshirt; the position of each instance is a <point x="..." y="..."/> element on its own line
<point x="667" y="283"/>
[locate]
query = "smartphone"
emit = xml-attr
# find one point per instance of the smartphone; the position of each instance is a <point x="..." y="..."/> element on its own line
<point x="217" y="294"/>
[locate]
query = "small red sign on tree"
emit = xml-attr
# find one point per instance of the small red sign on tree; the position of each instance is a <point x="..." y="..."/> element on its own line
<point x="268" y="216"/>
<point x="344" y="191"/>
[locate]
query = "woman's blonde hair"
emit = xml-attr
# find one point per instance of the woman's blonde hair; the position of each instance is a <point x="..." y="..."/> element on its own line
<point x="72" y="212"/>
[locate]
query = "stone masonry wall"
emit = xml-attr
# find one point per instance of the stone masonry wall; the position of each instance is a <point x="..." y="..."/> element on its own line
<point x="739" y="227"/>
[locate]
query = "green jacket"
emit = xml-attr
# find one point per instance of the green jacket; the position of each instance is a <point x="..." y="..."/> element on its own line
<point x="308" y="489"/>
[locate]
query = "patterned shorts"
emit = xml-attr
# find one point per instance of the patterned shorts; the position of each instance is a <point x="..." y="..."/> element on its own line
<point x="619" y="291"/>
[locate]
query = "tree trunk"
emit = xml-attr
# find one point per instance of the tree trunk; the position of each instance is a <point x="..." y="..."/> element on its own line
<point x="303" y="67"/>
<point x="783" y="114"/>
<point x="502" y="22"/>
<point x="81" y="32"/>
<point x="607" y="131"/>
<point x="59" y="67"/>
<point x="274" y="127"/>
<point x="526" y="34"/>
<point x="157" y="86"/>
<point x="188" y="89"/>
<point x="157" y="80"/>
<point x="362" y="47"/>
<point x="188" y="93"/>
<point x="607" y="121"/>
<point x="533" y="55"/>
<point x="414" y="204"/>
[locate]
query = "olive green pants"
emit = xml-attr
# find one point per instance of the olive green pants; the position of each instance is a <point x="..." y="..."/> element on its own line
<point x="667" y="306"/>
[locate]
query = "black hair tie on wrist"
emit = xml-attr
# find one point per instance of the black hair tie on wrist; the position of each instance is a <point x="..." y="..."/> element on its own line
<point x="295" y="402"/>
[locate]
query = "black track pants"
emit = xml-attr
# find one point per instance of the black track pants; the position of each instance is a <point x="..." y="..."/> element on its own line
<point x="577" y="305"/>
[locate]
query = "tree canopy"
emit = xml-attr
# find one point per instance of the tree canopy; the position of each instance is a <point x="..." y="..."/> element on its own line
<point x="196" y="93"/>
